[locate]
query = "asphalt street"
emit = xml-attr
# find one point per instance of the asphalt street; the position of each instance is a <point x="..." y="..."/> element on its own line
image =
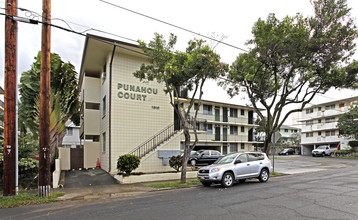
<point x="329" y="193"/>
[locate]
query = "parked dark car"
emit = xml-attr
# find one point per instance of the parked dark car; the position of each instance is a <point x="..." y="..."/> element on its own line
<point x="287" y="151"/>
<point x="204" y="157"/>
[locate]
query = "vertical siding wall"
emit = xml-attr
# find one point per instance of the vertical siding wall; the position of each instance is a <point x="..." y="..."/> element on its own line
<point x="135" y="121"/>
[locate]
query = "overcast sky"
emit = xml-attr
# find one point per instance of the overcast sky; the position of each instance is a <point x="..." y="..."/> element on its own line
<point x="232" y="18"/>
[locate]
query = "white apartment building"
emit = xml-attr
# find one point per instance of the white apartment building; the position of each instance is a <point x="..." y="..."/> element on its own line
<point x="319" y="125"/>
<point x="122" y="115"/>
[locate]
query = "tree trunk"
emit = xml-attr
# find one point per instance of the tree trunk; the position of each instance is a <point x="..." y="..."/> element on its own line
<point x="187" y="151"/>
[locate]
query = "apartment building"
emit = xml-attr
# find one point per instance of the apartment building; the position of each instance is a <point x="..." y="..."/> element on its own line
<point x="224" y="127"/>
<point x="123" y="115"/>
<point x="319" y="125"/>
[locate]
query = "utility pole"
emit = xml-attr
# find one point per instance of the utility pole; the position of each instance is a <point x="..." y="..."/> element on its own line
<point x="44" y="154"/>
<point x="10" y="127"/>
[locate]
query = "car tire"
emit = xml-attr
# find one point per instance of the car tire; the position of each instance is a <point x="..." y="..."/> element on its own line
<point x="264" y="175"/>
<point x="193" y="163"/>
<point x="323" y="154"/>
<point x="227" y="180"/>
<point x="286" y="153"/>
<point x="206" y="183"/>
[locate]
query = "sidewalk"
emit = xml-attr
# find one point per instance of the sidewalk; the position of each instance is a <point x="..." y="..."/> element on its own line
<point x="106" y="191"/>
<point x="96" y="183"/>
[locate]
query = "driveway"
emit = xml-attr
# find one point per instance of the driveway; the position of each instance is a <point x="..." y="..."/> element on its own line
<point x="85" y="178"/>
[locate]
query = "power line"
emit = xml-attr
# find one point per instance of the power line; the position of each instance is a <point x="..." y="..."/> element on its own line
<point x="176" y="26"/>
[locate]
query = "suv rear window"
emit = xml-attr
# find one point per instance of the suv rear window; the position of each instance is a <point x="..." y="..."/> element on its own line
<point x="255" y="156"/>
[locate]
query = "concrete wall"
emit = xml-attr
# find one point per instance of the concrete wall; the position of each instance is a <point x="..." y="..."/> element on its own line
<point x="152" y="163"/>
<point x="139" y="109"/>
<point x="65" y="158"/>
<point x="91" y="151"/>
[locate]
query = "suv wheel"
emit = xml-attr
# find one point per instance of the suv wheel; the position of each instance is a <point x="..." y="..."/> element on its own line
<point x="264" y="175"/>
<point x="323" y="154"/>
<point x="193" y="163"/>
<point x="206" y="183"/>
<point x="227" y="180"/>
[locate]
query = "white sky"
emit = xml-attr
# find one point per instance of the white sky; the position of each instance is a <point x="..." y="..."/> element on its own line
<point x="232" y="18"/>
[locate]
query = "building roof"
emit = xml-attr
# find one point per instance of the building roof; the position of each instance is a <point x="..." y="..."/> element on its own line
<point x="355" y="98"/>
<point x="289" y="127"/>
<point x="96" y="51"/>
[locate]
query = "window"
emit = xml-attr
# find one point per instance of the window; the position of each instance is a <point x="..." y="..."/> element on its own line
<point x="330" y="133"/>
<point x="333" y="106"/>
<point x="196" y="106"/>
<point x="233" y="130"/>
<point x="90" y="105"/>
<point x="69" y="131"/>
<point x="66" y="145"/>
<point x="319" y="108"/>
<point x="242" y="158"/>
<point x="233" y="112"/>
<point x="309" y="134"/>
<point x="319" y="133"/>
<point x="330" y="120"/>
<point x="309" y="111"/>
<point x="242" y="112"/>
<point x="197" y="126"/>
<point x="286" y="130"/>
<point x="104" y="106"/>
<point x="92" y="138"/>
<point x="208" y="110"/>
<point x="341" y="105"/>
<point x="209" y="129"/>
<point x="216" y="153"/>
<point x="233" y="147"/>
<point x="242" y="146"/>
<point x="206" y="153"/>
<point x="242" y="128"/>
<point x="104" y="142"/>
<point x="319" y="121"/>
<point x="309" y="123"/>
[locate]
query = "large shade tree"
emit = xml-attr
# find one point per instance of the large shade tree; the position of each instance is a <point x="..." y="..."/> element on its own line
<point x="64" y="99"/>
<point x="294" y="59"/>
<point x="348" y="124"/>
<point x="176" y="69"/>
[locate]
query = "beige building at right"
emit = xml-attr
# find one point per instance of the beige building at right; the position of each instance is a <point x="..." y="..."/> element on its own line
<point x="319" y="125"/>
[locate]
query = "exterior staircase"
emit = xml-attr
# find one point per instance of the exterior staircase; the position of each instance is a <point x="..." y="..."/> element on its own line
<point x="153" y="142"/>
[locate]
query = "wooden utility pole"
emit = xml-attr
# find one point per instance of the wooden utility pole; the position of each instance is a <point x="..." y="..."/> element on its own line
<point x="10" y="148"/>
<point x="44" y="154"/>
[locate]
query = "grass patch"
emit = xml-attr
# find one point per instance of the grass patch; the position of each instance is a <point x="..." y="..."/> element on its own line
<point x="175" y="184"/>
<point x="345" y="157"/>
<point x="276" y="174"/>
<point x="23" y="199"/>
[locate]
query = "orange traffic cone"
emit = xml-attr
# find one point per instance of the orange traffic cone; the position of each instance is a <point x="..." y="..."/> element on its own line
<point x="98" y="165"/>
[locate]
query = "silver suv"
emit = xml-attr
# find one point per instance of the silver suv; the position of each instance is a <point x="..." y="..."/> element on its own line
<point x="236" y="167"/>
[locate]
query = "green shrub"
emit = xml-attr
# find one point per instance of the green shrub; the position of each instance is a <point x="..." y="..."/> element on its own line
<point x="127" y="163"/>
<point x="176" y="162"/>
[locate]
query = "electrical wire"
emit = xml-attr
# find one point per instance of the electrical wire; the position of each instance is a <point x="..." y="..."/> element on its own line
<point x="172" y="25"/>
<point x="71" y="30"/>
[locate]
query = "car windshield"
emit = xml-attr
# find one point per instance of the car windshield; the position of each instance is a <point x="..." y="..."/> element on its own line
<point x="227" y="159"/>
<point x="322" y="147"/>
